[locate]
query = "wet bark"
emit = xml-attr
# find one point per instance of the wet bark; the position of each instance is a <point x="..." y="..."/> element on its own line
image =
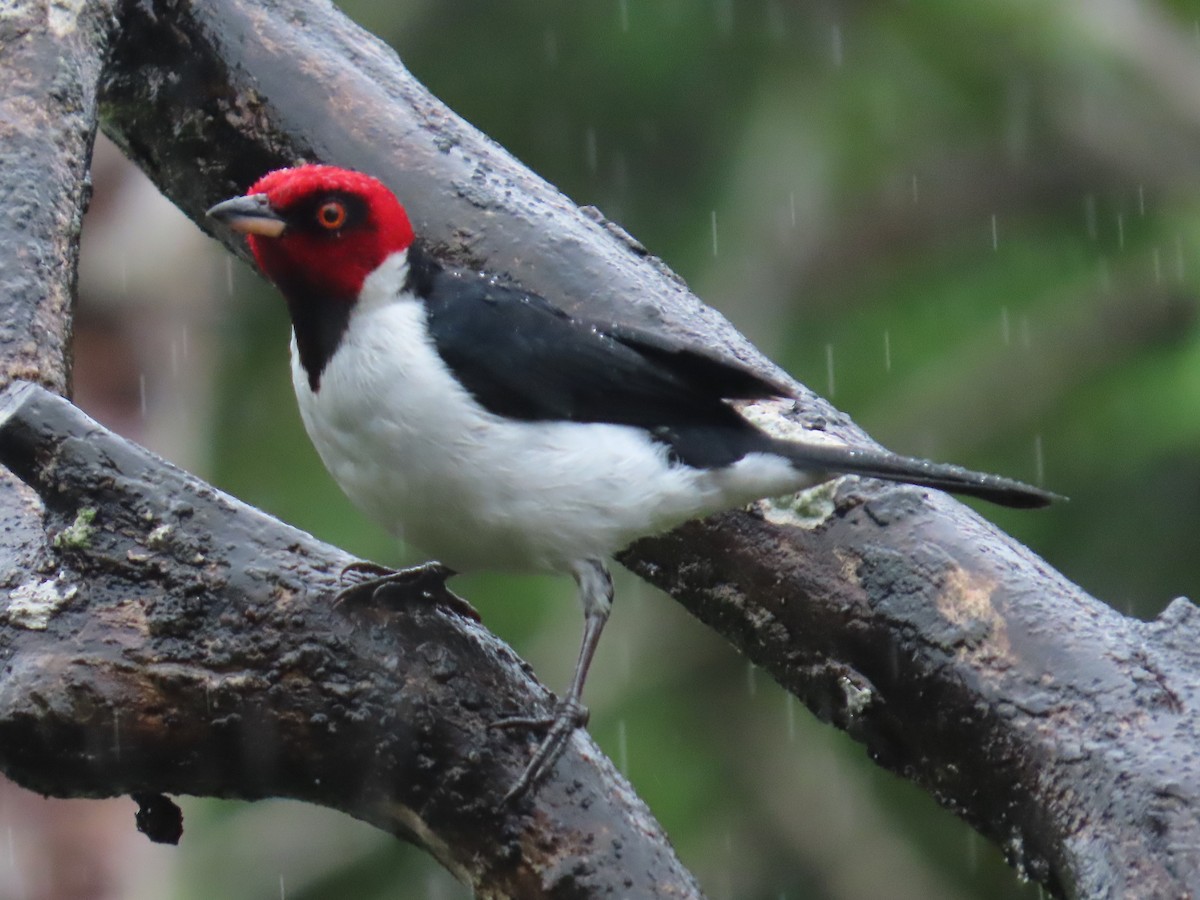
<point x="51" y="56"/>
<point x="1062" y="730"/>
<point x="165" y="637"/>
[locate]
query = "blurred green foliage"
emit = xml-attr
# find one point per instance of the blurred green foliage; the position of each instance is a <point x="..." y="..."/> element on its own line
<point x="975" y="225"/>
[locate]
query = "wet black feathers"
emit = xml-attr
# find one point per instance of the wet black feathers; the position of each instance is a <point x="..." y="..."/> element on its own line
<point x="523" y="358"/>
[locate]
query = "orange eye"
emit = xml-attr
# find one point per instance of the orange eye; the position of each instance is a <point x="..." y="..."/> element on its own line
<point x="332" y="215"/>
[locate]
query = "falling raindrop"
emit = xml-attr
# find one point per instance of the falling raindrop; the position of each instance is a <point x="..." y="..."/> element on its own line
<point x="972" y="851"/>
<point x="117" y="732"/>
<point x="591" y="153"/>
<point x="829" y="367"/>
<point x="624" y="8"/>
<point x="995" y="232"/>
<point x="1005" y="328"/>
<point x="18" y="881"/>
<point x="714" y="232"/>
<point x="751" y="679"/>
<point x="142" y="393"/>
<point x="836" y="44"/>
<point x="790" y="716"/>
<point x="1120" y="232"/>
<point x="724" y="13"/>
<point x="1089" y="215"/>
<point x="916" y="196"/>
<point x="887" y="350"/>
<point x="625" y="662"/>
<point x="776" y="26"/>
<point x="620" y="174"/>
<point x="550" y="47"/>
<point x="622" y="747"/>
<point x="1039" y="460"/>
<point x="1141" y="199"/>
<point x="282" y="890"/>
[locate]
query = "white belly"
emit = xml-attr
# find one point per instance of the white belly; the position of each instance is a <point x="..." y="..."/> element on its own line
<point x="415" y="452"/>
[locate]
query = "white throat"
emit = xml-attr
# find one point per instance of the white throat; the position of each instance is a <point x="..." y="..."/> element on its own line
<point x="383" y="285"/>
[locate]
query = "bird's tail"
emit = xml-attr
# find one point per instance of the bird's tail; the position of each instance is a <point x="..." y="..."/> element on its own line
<point x="892" y="467"/>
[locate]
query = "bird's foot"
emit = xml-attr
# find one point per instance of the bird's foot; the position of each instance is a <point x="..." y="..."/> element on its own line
<point x="569" y="714"/>
<point x="380" y="583"/>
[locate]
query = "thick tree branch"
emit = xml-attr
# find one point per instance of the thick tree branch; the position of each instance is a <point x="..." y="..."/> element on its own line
<point x="1066" y="732"/>
<point x="166" y="637"/>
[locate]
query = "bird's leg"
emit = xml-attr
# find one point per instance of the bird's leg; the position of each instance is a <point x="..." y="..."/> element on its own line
<point x="429" y="578"/>
<point x="596" y="595"/>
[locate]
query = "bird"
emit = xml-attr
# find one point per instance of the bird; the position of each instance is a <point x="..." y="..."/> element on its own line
<point x="490" y="428"/>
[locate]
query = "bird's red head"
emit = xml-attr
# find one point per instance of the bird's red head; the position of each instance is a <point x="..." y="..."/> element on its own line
<point x="318" y="230"/>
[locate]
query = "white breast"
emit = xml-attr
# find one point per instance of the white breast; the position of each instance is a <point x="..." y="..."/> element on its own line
<point x="415" y="452"/>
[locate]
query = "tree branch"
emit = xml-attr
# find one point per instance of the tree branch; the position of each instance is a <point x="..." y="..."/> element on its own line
<point x="167" y="637"/>
<point x="52" y="56"/>
<point x="1064" y="731"/>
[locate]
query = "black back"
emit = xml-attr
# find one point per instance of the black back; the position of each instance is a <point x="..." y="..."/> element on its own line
<point x="524" y="358"/>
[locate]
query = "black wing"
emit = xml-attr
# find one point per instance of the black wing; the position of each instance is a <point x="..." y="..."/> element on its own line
<point x="524" y="358"/>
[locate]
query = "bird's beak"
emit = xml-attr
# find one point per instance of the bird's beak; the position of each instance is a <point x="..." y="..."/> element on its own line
<point x="249" y="215"/>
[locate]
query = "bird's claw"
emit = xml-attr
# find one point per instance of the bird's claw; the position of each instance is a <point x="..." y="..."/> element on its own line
<point x="429" y="578"/>
<point x="568" y="715"/>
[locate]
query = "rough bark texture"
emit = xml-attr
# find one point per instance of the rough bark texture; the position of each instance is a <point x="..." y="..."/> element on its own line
<point x="52" y="56"/>
<point x="1064" y="731"/>
<point x="166" y="637"/>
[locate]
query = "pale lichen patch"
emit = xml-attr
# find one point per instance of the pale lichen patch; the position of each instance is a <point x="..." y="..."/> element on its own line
<point x="772" y="417"/>
<point x="157" y="538"/>
<point x="856" y="697"/>
<point x="809" y="508"/>
<point x="78" y="534"/>
<point x="33" y="604"/>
